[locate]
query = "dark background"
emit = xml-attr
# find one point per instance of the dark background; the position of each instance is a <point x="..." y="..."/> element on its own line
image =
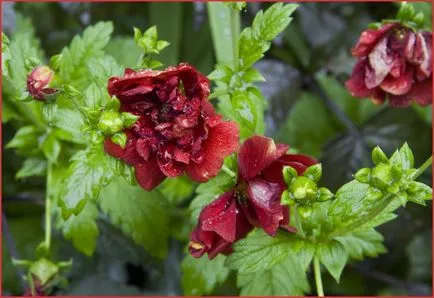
<point x="317" y="42"/>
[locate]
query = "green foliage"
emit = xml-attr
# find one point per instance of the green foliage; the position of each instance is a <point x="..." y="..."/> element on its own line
<point x="82" y="229"/>
<point x="143" y="216"/>
<point x="177" y="190"/>
<point x="201" y="276"/>
<point x="283" y="279"/>
<point x="333" y="256"/>
<point x="32" y="166"/>
<point x="89" y="171"/>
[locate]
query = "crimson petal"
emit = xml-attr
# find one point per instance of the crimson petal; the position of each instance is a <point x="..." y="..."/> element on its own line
<point x="356" y="83"/>
<point x="400" y="85"/>
<point x="148" y="174"/>
<point x="369" y="38"/>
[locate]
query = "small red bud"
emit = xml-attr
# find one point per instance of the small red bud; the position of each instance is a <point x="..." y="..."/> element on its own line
<point x="38" y="82"/>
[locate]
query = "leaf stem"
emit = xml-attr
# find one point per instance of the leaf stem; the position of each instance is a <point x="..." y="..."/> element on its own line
<point x="228" y="171"/>
<point x="318" y="280"/>
<point x="234" y="34"/>
<point x="422" y="168"/>
<point x="48" y="208"/>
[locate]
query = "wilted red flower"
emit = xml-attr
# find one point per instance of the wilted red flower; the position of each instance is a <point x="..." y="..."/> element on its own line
<point x="395" y="63"/>
<point x="38" y="82"/>
<point x="255" y="200"/>
<point x="220" y="224"/>
<point x="178" y="130"/>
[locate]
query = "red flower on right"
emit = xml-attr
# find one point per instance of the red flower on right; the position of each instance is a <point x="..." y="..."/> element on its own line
<point x="395" y="64"/>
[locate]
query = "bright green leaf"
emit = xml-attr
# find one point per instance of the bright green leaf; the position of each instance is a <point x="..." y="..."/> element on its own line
<point x="333" y="256"/>
<point x="32" y="166"/>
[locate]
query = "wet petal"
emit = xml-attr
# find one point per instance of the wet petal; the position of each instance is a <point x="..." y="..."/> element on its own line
<point x="421" y="92"/>
<point x="148" y="174"/>
<point x="400" y="85"/>
<point x="257" y="153"/>
<point x="369" y="38"/>
<point x="356" y="83"/>
<point x="222" y="141"/>
<point x="380" y="64"/>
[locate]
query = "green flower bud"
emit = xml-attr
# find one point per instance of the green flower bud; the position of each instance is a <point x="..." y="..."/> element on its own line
<point x="363" y="175"/>
<point x="129" y="119"/>
<point x="287" y="198"/>
<point x="303" y="188"/>
<point x="304" y="211"/>
<point x="314" y="172"/>
<point x="110" y="123"/>
<point x="324" y="194"/>
<point x="378" y="156"/>
<point x="394" y="188"/>
<point x="55" y="62"/>
<point x="120" y="139"/>
<point x="289" y="173"/>
<point x="113" y="104"/>
<point x="382" y="176"/>
<point x="44" y="270"/>
<point x="406" y="12"/>
<point x="419" y="19"/>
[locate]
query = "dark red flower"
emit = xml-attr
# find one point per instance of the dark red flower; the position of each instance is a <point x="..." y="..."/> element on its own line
<point x="38" y="82"/>
<point x="178" y="130"/>
<point x="220" y="224"/>
<point x="394" y="63"/>
<point x="255" y="200"/>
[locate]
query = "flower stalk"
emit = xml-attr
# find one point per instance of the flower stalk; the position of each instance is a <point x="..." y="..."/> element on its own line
<point x="318" y="279"/>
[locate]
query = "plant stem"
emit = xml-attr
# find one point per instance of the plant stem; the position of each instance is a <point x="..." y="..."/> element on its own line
<point x="422" y="168"/>
<point x="234" y="33"/>
<point x="48" y="208"/>
<point x="318" y="280"/>
<point x="228" y="171"/>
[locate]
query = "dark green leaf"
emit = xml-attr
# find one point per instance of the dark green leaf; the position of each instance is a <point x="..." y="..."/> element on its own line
<point x="333" y="256"/>
<point x="364" y="243"/>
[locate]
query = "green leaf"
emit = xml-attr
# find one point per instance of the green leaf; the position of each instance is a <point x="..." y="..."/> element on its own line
<point x="68" y="126"/>
<point x="201" y="276"/>
<point x="89" y="171"/>
<point x="219" y="17"/>
<point x="209" y="191"/>
<point x="363" y="243"/>
<point x="177" y="190"/>
<point x="32" y="166"/>
<point x="82" y="229"/>
<point x="124" y="50"/>
<point x="142" y="215"/>
<point x="333" y="256"/>
<point x="244" y="109"/>
<point x="252" y="75"/>
<point x="284" y="279"/>
<point x="418" y="193"/>
<point x="51" y="147"/>
<point x="260" y="252"/>
<point x="25" y="140"/>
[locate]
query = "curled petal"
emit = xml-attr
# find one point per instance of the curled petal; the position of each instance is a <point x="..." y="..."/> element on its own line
<point x="380" y="64"/>
<point x="369" y="38"/>
<point x="421" y="92"/>
<point x="400" y="85"/>
<point x="256" y="154"/>
<point x="222" y="141"/>
<point x="378" y="96"/>
<point x="356" y="83"/>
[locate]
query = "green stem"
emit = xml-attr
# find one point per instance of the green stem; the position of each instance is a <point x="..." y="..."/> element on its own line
<point x="235" y="33"/>
<point x="48" y="208"/>
<point x="228" y="171"/>
<point x="318" y="280"/>
<point x="422" y="168"/>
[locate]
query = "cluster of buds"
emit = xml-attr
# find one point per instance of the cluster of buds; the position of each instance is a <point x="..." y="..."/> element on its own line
<point x="303" y="190"/>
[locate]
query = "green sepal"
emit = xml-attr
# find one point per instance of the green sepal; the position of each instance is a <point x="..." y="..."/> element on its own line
<point x="44" y="270"/>
<point x="55" y="62"/>
<point x="324" y="194"/>
<point x="378" y="156"/>
<point x="110" y="123"/>
<point x="31" y="62"/>
<point x="287" y="198"/>
<point x="314" y="172"/>
<point x="119" y="139"/>
<point x="363" y="175"/>
<point x="113" y="104"/>
<point x="129" y="119"/>
<point x="289" y="174"/>
<point x="303" y="188"/>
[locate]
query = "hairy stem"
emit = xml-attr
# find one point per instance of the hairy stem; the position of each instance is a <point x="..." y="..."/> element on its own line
<point x="229" y="171"/>
<point x="318" y="280"/>
<point x="422" y="168"/>
<point x="235" y="32"/>
<point x="48" y="208"/>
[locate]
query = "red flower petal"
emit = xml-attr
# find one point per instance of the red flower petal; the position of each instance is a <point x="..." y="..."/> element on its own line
<point x="222" y="141"/>
<point x="113" y="149"/>
<point x="356" y="83"/>
<point x="378" y="96"/>
<point x="400" y="85"/>
<point x="369" y="38"/>
<point x="423" y="53"/>
<point x="380" y="64"/>
<point x="256" y="154"/>
<point x="265" y="199"/>
<point x="421" y="92"/>
<point x="148" y="174"/>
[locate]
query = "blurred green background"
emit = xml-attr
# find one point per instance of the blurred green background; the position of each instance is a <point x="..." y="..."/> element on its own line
<point x="305" y="70"/>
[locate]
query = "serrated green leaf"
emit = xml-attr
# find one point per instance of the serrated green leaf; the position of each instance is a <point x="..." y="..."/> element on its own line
<point x="244" y="109"/>
<point x="333" y="256"/>
<point x="284" y="279"/>
<point x="252" y="75"/>
<point x="82" y="229"/>
<point x="176" y="190"/>
<point x="32" y="166"/>
<point x="124" y="50"/>
<point x="89" y="172"/>
<point x="258" y="251"/>
<point x="364" y="243"/>
<point x="51" y="147"/>
<point x="68" y="126"/>
<point x="201" y="276"/>
<point x="25" y="139"/>
<point x="140" y="214"/>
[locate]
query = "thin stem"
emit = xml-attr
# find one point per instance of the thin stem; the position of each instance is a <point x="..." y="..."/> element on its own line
<point x="48" y="208"/>
<point x="422" y="168"/>
<point x="228" y="171"/>
<point x="235" y="33"/>
<point x="318" y="280"/>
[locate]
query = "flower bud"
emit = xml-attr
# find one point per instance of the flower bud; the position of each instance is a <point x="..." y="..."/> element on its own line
<point x="363" y="175"/>
<point x="305" y="211"/>
<point x="287" y="198"/>
<point x="382" y="177"/>
<point x="129" y="119"/>
<point x="378" y="156"/>
<point x="314" y="172"/>
<point x="119" y="139"/>
<point x="289" y="173"/>
<point x="44" y="270"/>
<point x="324" y="194"/>
<point x="303" y="188"/>
<point x="110" y="123"/>
<point x="38" y="83"/>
